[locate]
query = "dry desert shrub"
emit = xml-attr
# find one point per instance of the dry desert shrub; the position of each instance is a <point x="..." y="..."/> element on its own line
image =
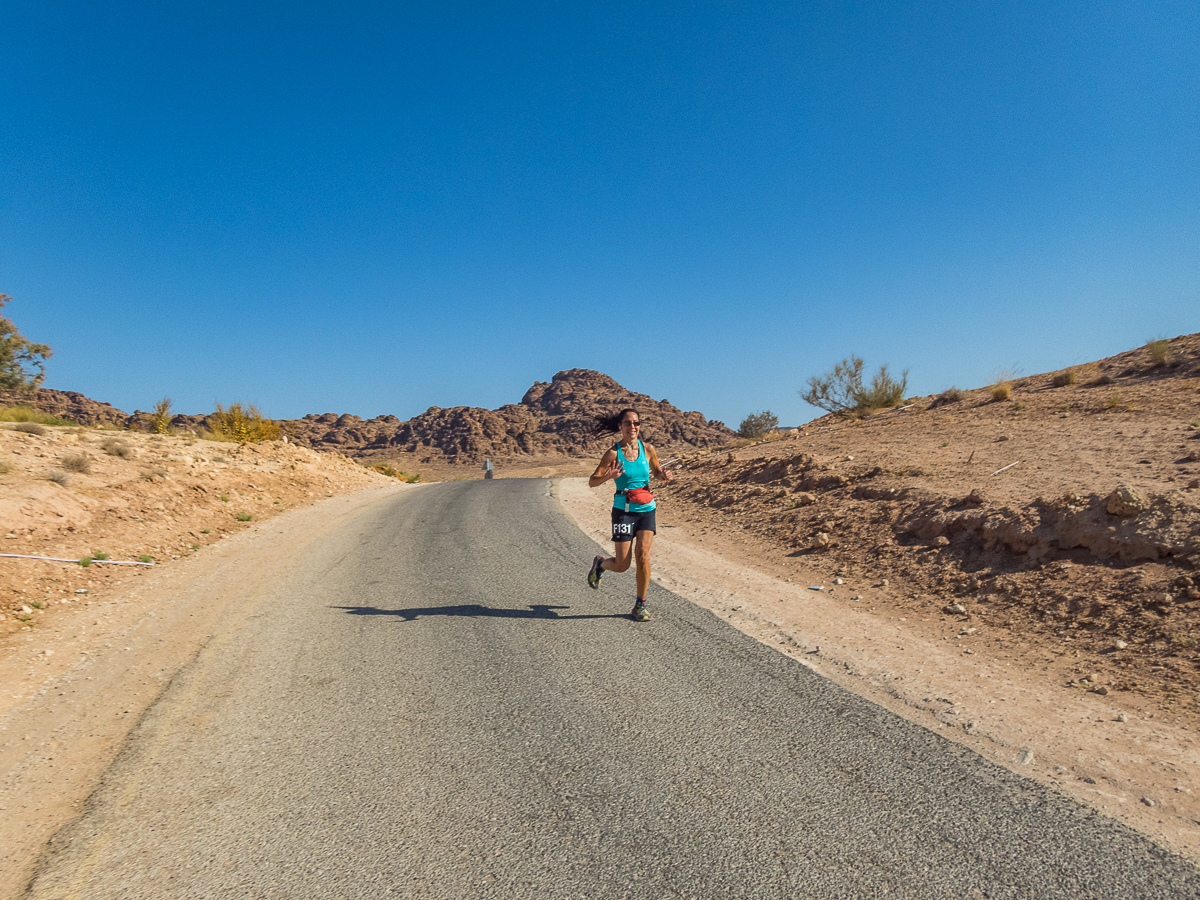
<point x="77" y="463"/>
<point x="842" y="390"/>
<point x="1114" y="401"/>
<point x="1001" y="390"/>
<point x="758" y="424"/>
<point x="951" y="395"/>
<point x="30" y="428"/>
<point x="117" y="447"/>
<point x="58" y="477"/>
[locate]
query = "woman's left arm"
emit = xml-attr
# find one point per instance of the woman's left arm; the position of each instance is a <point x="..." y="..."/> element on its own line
<point x="659" y="471"/>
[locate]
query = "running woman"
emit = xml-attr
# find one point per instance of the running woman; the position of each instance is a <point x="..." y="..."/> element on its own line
<point x="629" y="463"/>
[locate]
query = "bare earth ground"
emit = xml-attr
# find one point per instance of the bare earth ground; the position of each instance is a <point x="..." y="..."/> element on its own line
<point x="1071" y="657"/>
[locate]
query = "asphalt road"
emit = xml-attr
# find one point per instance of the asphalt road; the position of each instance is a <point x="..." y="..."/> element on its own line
<point x="435" y="704"/>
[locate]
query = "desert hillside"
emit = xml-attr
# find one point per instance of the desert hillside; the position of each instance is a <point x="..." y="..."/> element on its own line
<point x="71" y="492"/>
<point x="1066" y="515"/>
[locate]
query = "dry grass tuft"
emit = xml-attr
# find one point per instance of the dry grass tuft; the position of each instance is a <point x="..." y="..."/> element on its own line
<point x="1002" y="390"/>
<point x="1062" y="379"/>
<point x="1159" y="350"/>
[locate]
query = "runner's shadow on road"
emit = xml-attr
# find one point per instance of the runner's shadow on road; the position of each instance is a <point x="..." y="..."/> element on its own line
<point x="473" y="611"/>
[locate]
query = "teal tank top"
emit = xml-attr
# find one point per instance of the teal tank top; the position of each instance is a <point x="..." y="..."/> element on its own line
<point x="637" y="474"/>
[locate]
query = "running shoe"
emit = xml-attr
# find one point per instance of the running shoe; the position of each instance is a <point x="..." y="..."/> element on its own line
<point x="639" y="613"/>
<point x="596" y="573"/>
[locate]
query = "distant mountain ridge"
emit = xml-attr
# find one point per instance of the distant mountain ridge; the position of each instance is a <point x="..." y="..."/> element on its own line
<point x="554" y="418"/>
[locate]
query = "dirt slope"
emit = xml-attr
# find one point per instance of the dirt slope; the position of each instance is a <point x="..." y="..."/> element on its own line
<point x="1067" y="516"/>
<point x="137" y="496"/>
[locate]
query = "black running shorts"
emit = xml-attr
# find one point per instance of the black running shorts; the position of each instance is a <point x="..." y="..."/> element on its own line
<point x="626" y="525"/>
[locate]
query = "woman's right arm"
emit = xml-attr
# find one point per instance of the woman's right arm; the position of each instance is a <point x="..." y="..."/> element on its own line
<point x="608" y="469"/>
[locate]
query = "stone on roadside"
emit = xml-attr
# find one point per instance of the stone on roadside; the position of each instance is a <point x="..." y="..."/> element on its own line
<point x="1119" y="645"/>
<point x="956" y="608"/>
<point x="1125" y="502"/>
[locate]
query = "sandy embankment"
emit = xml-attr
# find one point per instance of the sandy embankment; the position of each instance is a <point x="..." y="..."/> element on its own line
<point x="1139" y="771"/>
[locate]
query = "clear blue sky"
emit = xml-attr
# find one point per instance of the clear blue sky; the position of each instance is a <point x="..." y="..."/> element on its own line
<point x="381" y="207"/>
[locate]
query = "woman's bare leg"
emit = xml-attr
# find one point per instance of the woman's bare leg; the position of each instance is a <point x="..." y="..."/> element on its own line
<point x="642" y="545"/>
<point x="620" y="562"/>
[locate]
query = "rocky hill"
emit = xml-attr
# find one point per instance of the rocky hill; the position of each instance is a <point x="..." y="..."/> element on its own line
<point x="552" y="419"/>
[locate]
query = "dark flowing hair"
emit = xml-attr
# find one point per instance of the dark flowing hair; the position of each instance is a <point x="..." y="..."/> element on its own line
<point x="609" y="424"/>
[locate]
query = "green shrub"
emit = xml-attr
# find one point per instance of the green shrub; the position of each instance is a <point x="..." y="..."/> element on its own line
<point x="19" y="356"/>
<point x="85" y="561"/>
<point x="244" y="517"/>
<point x="842" y="391"/>
<point x="29" y="414"/>
<point x="100" y="554"/>
<point x="757" y="424"/>
<point x="145" y="557"/>
<point x="385" y="469"/>
<point x="160" y="420"/>
<point x="241" y="425"/>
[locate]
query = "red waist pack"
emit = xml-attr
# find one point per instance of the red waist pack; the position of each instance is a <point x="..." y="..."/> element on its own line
<point x="640" y="496"/>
